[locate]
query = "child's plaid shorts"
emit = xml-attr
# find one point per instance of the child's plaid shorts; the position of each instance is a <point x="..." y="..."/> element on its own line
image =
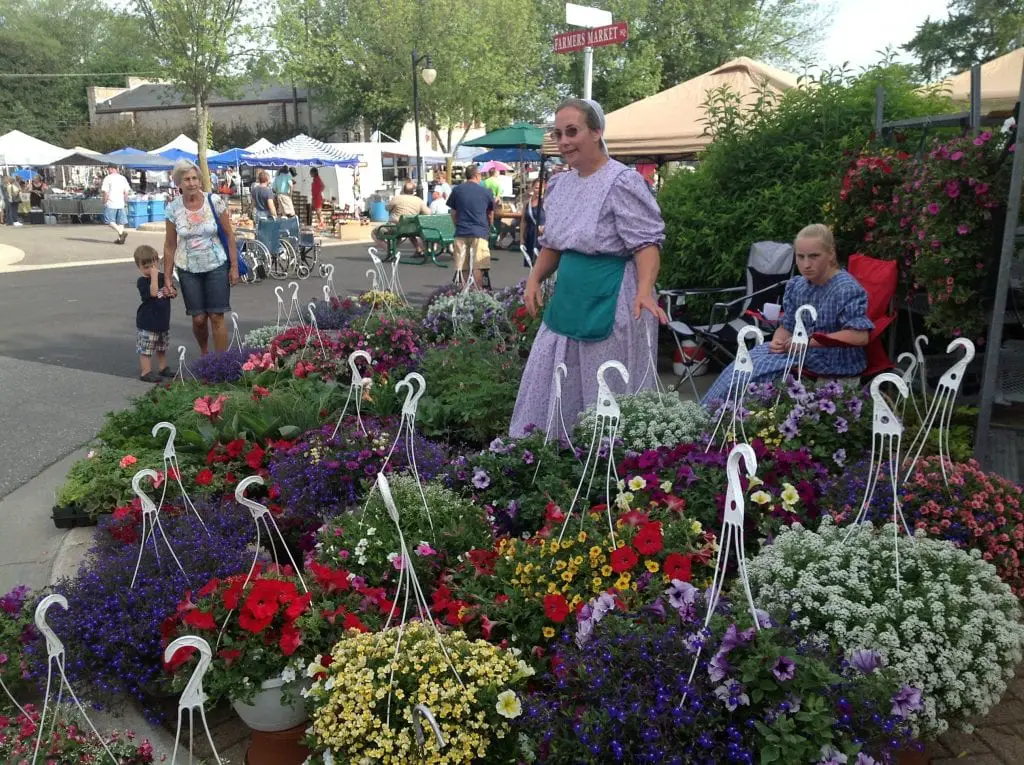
<point x="147" y="343"/>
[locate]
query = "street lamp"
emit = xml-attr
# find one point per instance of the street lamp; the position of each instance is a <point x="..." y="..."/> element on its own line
<point x="429" y="75"/>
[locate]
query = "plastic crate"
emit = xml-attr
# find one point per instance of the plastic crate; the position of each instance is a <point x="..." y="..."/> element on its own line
<point x="157" y="210"/>
<point x="134" y="221"/>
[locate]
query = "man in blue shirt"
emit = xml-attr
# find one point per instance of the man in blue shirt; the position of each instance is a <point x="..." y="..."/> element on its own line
<point x="472" y="209"/>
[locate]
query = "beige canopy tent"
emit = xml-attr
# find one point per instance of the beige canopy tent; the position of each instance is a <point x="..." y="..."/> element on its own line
<point x="669" y="125"/>
<point x="1000" y="83"/>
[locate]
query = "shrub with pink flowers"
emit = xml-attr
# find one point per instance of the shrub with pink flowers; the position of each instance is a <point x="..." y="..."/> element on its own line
<point x="979" y="511"/>
<point x="935" y="214"/>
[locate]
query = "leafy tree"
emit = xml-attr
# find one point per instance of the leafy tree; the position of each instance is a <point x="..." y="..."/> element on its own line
<point x="774" y="168"/>
<point x="672" y="41"/>
<point x="59" y="44"/>
<point x="197" y="43"/>
<point x="974" y="32"/>
<point x="357" y="54"/>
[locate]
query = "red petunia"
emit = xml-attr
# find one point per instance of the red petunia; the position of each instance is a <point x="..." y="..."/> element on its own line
<point x="202" y="620"/>
<point x="204" y="477"/>
<point x="351" y="623"/>
<point x="297" y="607"/>
<point x="209" y="588"/>
<point x="290" y="640"/>
<point x="262" y="601"/>
<point x="678" y="566"/>
<point x="229" y="655"/>
<point x="254" y="458"/>
<point x="648" y="540"/>
<point x="623" y="559"/>
<point x="232" y="596"/>
<point x="180" y="657"/>
<point x="253" y="624"/>
<point x="487" y="626"/>
<point x="482" y="560"/>
<point x="331" y="579"/>
<point x="235" y="448"/>
<point x="556" y="608"/>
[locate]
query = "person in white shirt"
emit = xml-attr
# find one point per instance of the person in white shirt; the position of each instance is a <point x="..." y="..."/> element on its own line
<point x="115" y="189"/>
<point x="441" y="184"/>
<point x="438" y="206"/>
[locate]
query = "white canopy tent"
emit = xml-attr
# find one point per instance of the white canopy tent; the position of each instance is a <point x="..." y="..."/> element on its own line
<point x="261" y="145"/>
<point x="1000" y="83"/>
<point x="182" y="142"/>
<point x="17" y="148"/>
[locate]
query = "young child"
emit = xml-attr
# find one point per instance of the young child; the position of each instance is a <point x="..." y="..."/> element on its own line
<point x="153" y="318"/>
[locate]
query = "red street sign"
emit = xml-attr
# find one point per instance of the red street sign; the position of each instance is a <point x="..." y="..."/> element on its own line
<point x="568" y="42"/>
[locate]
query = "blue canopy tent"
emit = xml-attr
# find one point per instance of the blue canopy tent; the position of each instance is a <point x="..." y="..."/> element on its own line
<point x="140" y="161"/>
<point x="125" y="150"/>
<point x="227" y="158"/>
<point x="509" y="154"/>
<point x="24" y="174"/>
<point x="175" y="154"/>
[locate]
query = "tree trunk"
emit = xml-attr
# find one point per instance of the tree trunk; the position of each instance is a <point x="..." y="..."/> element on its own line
<point x="202" y="138"/>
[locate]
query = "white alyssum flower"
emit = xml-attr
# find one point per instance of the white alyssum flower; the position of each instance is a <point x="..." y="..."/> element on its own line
<point x="650" y="420"/>
<point x="953" y="631"/>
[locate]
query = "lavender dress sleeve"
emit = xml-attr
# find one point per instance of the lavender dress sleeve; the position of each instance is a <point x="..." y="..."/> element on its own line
<point x="635" y="212"/>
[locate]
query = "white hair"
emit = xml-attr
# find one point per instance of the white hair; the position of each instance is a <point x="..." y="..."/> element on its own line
<point x="181" y="167"/>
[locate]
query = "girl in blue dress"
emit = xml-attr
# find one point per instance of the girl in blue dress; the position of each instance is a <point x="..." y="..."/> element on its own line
<point x="842" y="306"/>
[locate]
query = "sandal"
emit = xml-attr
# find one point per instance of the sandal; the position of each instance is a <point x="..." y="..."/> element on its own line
<point x="150" y="378"/>
<point x="166" y="372"/>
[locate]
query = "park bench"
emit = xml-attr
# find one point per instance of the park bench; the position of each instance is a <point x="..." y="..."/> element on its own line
<point x="436" y="231"/>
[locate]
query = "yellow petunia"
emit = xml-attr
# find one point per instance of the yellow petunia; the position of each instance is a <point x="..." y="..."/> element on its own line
<point x="548" y="632"/>
<point x="509" y="705"/>
<point x="790" y="495"/>
<point x="581" y="537"/>
<point x="637" y="483"/>
<point x="606" y="571"/>
<point x="755" y="482"/>
<point x="652" y="566"/>
<point x="761" y="497"/>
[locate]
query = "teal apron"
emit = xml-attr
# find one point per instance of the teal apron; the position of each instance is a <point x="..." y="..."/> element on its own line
<point x="586" y="294"/>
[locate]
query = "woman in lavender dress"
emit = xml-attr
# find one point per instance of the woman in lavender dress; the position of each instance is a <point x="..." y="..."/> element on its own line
<point x="603" y="234"/>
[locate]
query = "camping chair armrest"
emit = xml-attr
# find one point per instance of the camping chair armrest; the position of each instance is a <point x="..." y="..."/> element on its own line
<point x="684" y="292"/>
<point x="726" y="305"/>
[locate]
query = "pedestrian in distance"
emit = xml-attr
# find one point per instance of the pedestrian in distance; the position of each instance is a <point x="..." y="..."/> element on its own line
<point x="472" y="208"/>
<point x="153" y="316"/>
<point x="115" y="190"/>
<point x="200" y="242"/>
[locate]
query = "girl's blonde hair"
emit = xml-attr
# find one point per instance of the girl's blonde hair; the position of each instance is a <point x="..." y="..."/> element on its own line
<point x="823" y="234"/>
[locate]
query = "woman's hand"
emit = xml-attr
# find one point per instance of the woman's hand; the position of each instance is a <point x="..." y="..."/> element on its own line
<point x="649" y="303"/>
<point x="233" y="274"/>
<point x="780" y="344"/>
<point x="532" y="297"/>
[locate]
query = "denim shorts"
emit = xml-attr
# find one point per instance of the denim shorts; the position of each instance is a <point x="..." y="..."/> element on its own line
<point x="115" y="215"/>
<point x="206" y="292"/>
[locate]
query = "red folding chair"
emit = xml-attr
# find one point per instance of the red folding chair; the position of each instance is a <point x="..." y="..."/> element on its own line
<point x="878" y="278"/>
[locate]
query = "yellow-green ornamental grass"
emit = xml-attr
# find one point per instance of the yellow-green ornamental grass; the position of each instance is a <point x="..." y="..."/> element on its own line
<point x="350" y="693"/>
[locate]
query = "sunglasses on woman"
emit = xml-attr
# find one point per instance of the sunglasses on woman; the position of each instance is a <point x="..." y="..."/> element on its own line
<point x="570" y="132"/>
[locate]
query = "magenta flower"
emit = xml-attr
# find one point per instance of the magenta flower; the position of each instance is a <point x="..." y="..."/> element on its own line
<point x="952" y="189"/>
<point x="980" y="188"/>
<point x="933" y="208"/>
<point x="956" y="156"/>
<point x="963" y="229"/>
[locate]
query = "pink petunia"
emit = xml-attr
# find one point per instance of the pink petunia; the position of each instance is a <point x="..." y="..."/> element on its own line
<point x="127" y="461"/>
<point x="952" y="189"/>
<point x="933" y="208"/>
<point x="963" y="229"/>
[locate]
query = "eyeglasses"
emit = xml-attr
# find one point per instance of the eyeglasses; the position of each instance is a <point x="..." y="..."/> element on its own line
<point x="570" y="132"/>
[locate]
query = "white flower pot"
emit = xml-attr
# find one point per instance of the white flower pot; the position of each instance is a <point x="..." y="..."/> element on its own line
<point x="267" y="712"/>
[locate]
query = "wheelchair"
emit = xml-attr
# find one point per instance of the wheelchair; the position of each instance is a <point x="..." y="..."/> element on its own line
<point x="279" y="251"/>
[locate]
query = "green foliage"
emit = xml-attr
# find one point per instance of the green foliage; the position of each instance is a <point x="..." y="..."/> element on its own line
<point x="973" y="32"/>
<point x="98" y="484"/>
<point x="471" y="391"/>
<point x="358" y="55"/>
<point x="773" y="168"/>
<point x="63" y="37"/>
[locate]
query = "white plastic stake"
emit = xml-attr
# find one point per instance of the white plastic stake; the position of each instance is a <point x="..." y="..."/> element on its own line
<point x="942" y="407"/>
<point x="182" y="366"/>
<point x="150" y="523"/>
<point x="279" y="293"/>
<point x="356" y="388"/>
<point x="742" y="372"/>
<point x="236" y="336"/>
<point x="171" y="464"/>
<point x="55" y="656"/>
<point x="193" y="697"/>
<point x="923" y="370"/>
<point x="798" y="345"/>
<point x="606" y="413"/>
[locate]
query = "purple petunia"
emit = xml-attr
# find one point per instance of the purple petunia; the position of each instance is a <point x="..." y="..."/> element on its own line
<point x="788" y="429"/>
<point x="498" y="447"/>
<point x="842" y="426"/>
<point x="681" y="596"/>
<point x="856" y="406"/>
<point x="527" y="456"/>
<point x="865" y="660"/>
<point x="732" y="694"/>
<point x="906" y="701"/>
<point x="865" y="759"/>
<point x="480" y="479"/>
<point x="784" y="669"/>
<point x="734" y="638"/>
<point x="827" y="406"/>
<point x="719" y="667"/>
<point x="839" y="457"/>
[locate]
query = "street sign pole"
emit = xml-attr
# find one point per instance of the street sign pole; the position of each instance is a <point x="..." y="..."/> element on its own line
<point x="588" y="71"/>
<point x="589" y="18"/>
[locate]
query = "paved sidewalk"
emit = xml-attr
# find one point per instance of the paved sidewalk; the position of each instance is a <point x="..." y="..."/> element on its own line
<point x="997" y="740"/>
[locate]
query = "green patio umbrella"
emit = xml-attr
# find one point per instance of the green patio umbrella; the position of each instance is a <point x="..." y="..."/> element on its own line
<point x="520" y="134"/>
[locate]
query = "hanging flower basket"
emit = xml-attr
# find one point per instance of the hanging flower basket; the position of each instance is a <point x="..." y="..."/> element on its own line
<point x="268" y="712"/>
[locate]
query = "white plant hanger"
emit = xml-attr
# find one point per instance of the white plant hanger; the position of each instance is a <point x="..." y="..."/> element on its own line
<point x="375" y="289"/>
<point x="171" y="464"/>
<point x="409" y="586"/>
<point x="886" y="441"/>
<point x="281" y="314"/>
<point x="530" y="258"/>
<point x="798" y="345"/>
<point x="607" y="415"/>
<point x="651" y="370"/>
<point x="55" y="656"/>
<point x="922" y="369"/>
<point x="236" y="336"/>
<point x="940" y="413"/>
<point x="150" y="523"/>
<point x="731" y="539"/>
<point x="907" y="375"/>
<point x="356" y="388"/>
<point x="193" y="697"/>
<point x="294" y="307"/>
<point x="183" y="368"/>
<point x="742" y="373"/>
<point x="314" y="328"/>
<point x="327" y="271"/>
